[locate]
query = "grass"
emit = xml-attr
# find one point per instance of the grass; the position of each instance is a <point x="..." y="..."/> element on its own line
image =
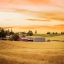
<point x="47" y="35"/>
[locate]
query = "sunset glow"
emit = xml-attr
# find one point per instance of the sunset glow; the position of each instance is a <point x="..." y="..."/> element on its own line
<point x="32" y="13"/>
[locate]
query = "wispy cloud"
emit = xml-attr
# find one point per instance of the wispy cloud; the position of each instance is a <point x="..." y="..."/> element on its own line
<point x="38" y="19"/>
<point x="49" y="15"/>
<point x="55" y="27"/>
<point x="53" y="15"/>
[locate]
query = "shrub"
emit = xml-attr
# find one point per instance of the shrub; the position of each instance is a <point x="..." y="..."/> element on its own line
<point x="15" y="37"/>
<point x="48" y="32"/>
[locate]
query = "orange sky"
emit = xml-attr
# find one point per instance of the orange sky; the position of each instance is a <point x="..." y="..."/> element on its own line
<point x="32" y="14"/>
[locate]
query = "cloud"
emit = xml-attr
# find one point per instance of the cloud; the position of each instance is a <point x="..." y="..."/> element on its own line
<point x="28" y="4"/>
<point x="41" y="2"/>
<point x="52" y="15"/>
<point x="55" y="27"/>
<point x="49" y="15"/>
<point x="38" y="20"/>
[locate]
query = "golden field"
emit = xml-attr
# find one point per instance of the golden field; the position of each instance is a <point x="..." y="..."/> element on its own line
<point x="18" y="52"/>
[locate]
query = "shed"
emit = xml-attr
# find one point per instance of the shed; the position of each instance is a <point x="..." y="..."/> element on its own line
<point x="40" y="39"/>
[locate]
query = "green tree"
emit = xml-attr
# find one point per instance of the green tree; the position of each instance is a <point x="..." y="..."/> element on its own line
<point x="15" y="37"/>
<point x="2" y="33"/>
<point x="30" y="33"/>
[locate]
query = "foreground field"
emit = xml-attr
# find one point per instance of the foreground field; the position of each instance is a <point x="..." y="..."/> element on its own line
<point x="12" y="52"/>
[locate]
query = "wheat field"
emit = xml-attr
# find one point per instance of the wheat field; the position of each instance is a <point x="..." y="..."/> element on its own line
<point x="18" y="52"/>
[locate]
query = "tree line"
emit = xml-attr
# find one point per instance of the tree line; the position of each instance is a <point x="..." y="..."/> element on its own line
<point x="55" y="33"/>
<point x="4" y="33"/>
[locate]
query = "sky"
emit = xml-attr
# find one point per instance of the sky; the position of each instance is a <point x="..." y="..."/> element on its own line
<point x="32" y="14"/>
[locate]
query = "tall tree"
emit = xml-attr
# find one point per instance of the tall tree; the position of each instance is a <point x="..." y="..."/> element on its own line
<point x="30" y="33"/>
<point x="2" y="33"/>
